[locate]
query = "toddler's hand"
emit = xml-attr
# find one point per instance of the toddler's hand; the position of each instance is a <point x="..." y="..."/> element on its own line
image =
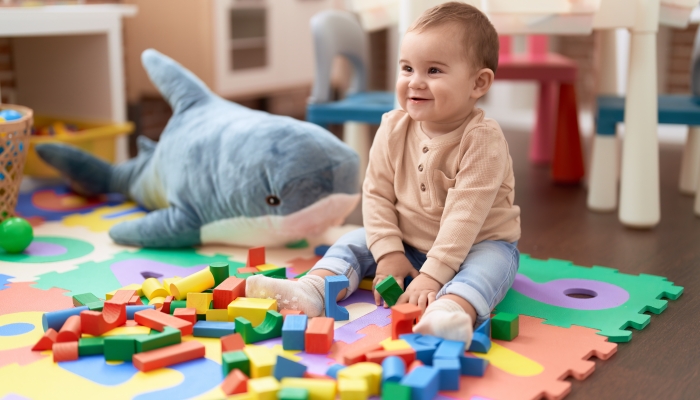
<point x="421" y="291"/>
<point x="395" y="264"/>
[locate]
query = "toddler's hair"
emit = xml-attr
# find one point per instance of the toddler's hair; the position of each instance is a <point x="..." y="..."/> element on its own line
<point x="478" y="34"/>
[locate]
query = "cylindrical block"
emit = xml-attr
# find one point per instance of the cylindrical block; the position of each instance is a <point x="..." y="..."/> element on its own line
<point x="65" y="351"/>
<point x="175" y="304"/>
<point x="220" y="272"/>
<point x="157" y="302"/>
<point x="56" y="319"/>
<point x="70" y="331"/>
<point x="131" y="310"/>
<point x="152" y="288"/>
<point x="195" y="283"/>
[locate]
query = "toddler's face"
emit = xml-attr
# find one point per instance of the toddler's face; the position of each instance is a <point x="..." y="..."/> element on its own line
<point x="436" y="81"/>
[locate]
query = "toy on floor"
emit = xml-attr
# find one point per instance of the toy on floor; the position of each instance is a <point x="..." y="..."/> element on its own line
<point x="16" y="234"/>
<point x="221" y="173"/>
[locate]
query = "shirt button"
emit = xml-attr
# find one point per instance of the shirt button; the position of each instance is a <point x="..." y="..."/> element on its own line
<point x="425" y="149"/>
<point x="420" y="168"/>
<point x="422" y="187"/>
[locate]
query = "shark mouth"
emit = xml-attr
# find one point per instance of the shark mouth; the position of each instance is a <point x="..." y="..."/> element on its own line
<point x="277" y="230"/>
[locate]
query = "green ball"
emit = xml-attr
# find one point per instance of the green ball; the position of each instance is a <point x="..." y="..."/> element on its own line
<point x="15" y="235"/>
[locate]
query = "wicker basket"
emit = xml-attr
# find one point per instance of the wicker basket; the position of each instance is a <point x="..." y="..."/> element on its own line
<point x="14" y="143"/>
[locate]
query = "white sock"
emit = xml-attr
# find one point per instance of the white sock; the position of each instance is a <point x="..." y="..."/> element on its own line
<point x="446" y="319"/>
<point x="305" y="295"/>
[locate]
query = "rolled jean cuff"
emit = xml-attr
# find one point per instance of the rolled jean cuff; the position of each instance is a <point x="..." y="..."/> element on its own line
<point x="468" y="293"/>
<point x="340" y="267"/>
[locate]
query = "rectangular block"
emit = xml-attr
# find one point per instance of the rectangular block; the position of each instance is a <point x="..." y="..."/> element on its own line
<point x="449" y="371"/>
<point x="217" y="315"/>
<point x="253" y="310"/>
<point x="232" y="342"/>
<point x="122" y="296"/>
<point x="84" y="299"/>
<point x="293" y="332"/>
<point x="423" y="381"/>
<point x="157" y="320"/>
<point x="133" y="286"/>
<point x="449" y="349"/>
<point x="213" y="329"/>
<point x="353" y="389"/>
<point x="286" y="312"/>
<point x="166" y="356"/>
<point x="390" y="344"/>
<point x="395" y="391"/>
<point x="119" y="348"/>
<point x="91" y="346"/>
<point x="319" y="335"/>
<point x="360" y="354"/>
<point x="407" y="355"/>
<point x="235" y="360"/>
<point x="199" y="301"/>
<point x="156" y="340"/>
<point x="262" y="361"/>
<point x="256" y="256"/>
<point x="265" y="388"/>
<point x="176" y="304"/>
<point x="319" y="389"/>
<point x="228" y="291"/>
<point x="472" y="366"/>
<point x="293" y="394"/>
<point x="505" y="326"/>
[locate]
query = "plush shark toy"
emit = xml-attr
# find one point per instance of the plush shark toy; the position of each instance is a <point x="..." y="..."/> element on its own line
<point x="221" y="173"/>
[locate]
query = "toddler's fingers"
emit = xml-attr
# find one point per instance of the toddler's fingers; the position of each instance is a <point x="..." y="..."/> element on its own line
<point x="413" y="299"/>
<point x="431" y="297"/>
<point x="422" y="302"/>
<point x="402" y="299"/>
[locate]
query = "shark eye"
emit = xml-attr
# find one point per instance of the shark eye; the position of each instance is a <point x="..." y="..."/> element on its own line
<point x="272" y="200"/>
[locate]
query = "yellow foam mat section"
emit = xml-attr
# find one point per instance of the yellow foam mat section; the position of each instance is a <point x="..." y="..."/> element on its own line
<point x="510" y="361"/>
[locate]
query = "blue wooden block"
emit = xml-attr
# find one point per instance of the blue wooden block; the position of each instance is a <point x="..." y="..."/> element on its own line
<point x="321" y="250"/>
<point x="449" y="372"/>
<point x="213" y="329"/>
<point x="334" y="284"/>
<point x="393" y="369"/>
<point x="424" y="383"/>
<point x="424" y="353"/>
<point x="485" y="328"/>
<point x="131" y="310"/>
<point x="449" y="349"/>
<point x="473" y="366"/>
<point x="293" y="331"/>
<point x="429" y="340"/>
<point x="332" y="371"/>
<point x="286" y="368"/>
<point x="56" y="319"/>
<point x="480" y="343"/>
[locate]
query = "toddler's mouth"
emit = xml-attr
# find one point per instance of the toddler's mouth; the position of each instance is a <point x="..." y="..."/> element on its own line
<point x="417" y="99"/>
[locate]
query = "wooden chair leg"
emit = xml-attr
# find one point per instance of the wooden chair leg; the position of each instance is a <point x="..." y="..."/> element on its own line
<point x="567" y="165"/>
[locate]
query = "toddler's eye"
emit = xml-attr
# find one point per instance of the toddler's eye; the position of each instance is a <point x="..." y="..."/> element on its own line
<point x="407" y="68"/>
<point x="273" y="200"/>
<point x="433" y="71"/>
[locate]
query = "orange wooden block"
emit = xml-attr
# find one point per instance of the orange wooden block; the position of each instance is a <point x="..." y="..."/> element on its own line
<point x="319" y="335"/>
<point x="46" y="342"/>
<point x="135" y="301"/>
<point x="414" y="365"/>
<point x="166" y="304"/>
<point x="166" y="356"/>
<point x="188" y="314"/>
<point x="256" y="256"/>
<point x="286" y="312"/>
<point x="97" y="323"/>
<point x="235" y="382"/>
<point x="65" y="351"/>
<point x="70" y="331"/>
<point x="360" y="354"/>
<point x="158" y="320"/>
<point x="228" y="291"/>
<point x="408" y="355"/>
<point x="122" y="297"/>
<point x="248" y="270"/>
<point x="232" y="342"/>
<point x="402" y="317"/>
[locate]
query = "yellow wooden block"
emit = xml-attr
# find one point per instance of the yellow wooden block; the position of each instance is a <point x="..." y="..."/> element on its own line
<point x="267" y="267"/>
<point x="319" y="389"/>
<point x="133" y="286"/>
<point x="199" y="301"/>
<point x="399" y="344"/>
<point x="217" y="315"/>
<point x="125" y="330"/>
<point x="253" y="310"/>
<point x="168" y="281"/>
<point x="242" y="396"/>
<point x="152" y="288"/>
<point x="264" y="388"/>
<point x="156" y="301"/>
<point x="195" y="283"/>
<point x="353" y="389"/>
<point x="366" y="283"/>
<point x="370" y="372"/>
<point x="262" y="360"/>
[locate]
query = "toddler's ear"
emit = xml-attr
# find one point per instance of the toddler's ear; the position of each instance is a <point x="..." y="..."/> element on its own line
<point x="482" y="83"/>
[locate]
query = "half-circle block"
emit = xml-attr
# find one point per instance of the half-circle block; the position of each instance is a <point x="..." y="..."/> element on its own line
<point x="270" y="328"/>
<point x="97" y="323"/>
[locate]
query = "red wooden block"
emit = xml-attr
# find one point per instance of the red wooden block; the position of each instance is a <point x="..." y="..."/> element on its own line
<point x="97" y="323"/>
<point x="46" y="342"/>
<point x="232" y="342"/>
<point x="166" y="304"/>
<point x="286" y="312"/>
<point x="248" y="270"/>
<point x="413" y="366"/>
<point x="135" y="301"/>
<point x="70" y="331"/>
<point x="188" y="314"/>
<point x="402" y="317"/>
<point x="235" y="382"/>
<point x="228" y="291"/>
<point x="408" y="355"/>
<point x="319" y="335"/>
<point x="166" y="356"/>
<point x="360" y="354"/>
<point x="65" y="351"/>
<point x="122" y="297"/>
<point x="256" y="256"/>
<point x="158" y="320"/>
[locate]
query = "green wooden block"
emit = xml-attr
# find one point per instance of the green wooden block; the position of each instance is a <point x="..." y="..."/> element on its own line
<point x="395" y="391"/>
<point x="505" y="326"/>
<point x="280" y="273"/>
<point x="201" y="317"/>
<point x="293" y="394"/>
<point x="208" y="291"/>
<point x="144" y="300"/>
<point x="95" y="305"/>
<point x="91" y="346"/>
<point x="220" y="271"/>
<point x="302" y="244"/>
<point x="119" y="348"/>
<point x="270" y="328"/>
<point x="235" y="359"/>
<point x="177" y="304"/>
<point x="389" y="290"/>
<point x="83" y="299"/>
<point x="168" y="337"/>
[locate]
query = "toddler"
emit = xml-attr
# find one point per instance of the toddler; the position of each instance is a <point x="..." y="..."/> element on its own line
<point x="438" y="193"/>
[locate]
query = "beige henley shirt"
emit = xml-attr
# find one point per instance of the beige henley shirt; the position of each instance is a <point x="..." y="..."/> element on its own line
<point x="439" y="195"/>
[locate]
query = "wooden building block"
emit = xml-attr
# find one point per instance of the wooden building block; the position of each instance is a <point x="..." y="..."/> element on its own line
<point x="366" y="284"/>
<point x="134" y="286"/>
<point x="65" y="351"/>
<point x="402" y="318"/>
<point x="125" y="330"/>
<point x="227" y="291"/>
<point x="123" y="296"/>
<point x="505" y="326"/>
<point x="353" y="389"/>
<point x="70" y="331"/>
<point x="256" y="256"/>
<point x="235" y="382"/>
<point x="91" y="346"/>
<point x="158" y="320"/>
<point x="187" y="314"/>
<point x="332" y="371"/>
<point x="46" y="342"/>
<point x="390" y="290"/>
<point x="262" y="360"/>
<point x="393" y="369"/>
<point x="84" y="299"/>
<point x="360" y="354"/>
<point x="449" y="373"/>
<point x="333" y="286"/>
<point x="472" y="366"/>
<point x="413" y="366"/>
<point x="293" y="332"/>
<point x="424" y="383"/>
<point x="235" y="360"/>
<point x="232" y="342"/>
<point x="395" y="391"/>
<point x="152" y="288"/>
<point x="270" y="328"/>
<point x="98" y="323"/>
<point x="370" y="372"/>
<point x="407" y="355"/>
<point x="319" y="335"/>
<point x="286" y="368"/>
<point x="169" y="281"/>
<point x="247" y="270"/>
<point x="217" y="315"/>
<point x="199" y="301"/>
<point x="293" y="394"/>
<point x="131" y="310"/>
<point x="213" y="329"/>
<point x="481" y="341"/>
<point x="254" y="310"/>
<point x="319" y="389"/>
<point x="391" y="344"/>
<point x="55" y="319"/>
<point x="287" y="311"/>
<point x="167" y="356"/>
<point x="449" y="349"/>
<point x="156" y="340"/>
<point x="119" y="348"/>
<point x="424" y="350"/>
<point x="220" y="271"/>
<point x="166" y="304"/>
<point x="135" y="301"/>
<point x="195" y="283"/>
<point x="264" y="388"/>
<point x="157" y="302"/>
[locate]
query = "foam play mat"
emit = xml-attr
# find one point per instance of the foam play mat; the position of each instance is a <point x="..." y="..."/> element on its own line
<point x="567" y="313"/>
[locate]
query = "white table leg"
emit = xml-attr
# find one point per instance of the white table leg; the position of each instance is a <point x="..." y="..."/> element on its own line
<point x="357" y="136"/>
<point x="690" y="163"/>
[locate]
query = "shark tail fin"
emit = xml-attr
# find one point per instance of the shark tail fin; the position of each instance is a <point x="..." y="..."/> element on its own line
<point x="87" y="174"/>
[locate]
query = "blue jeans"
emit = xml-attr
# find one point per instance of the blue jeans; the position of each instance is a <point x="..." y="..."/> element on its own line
<point x="483" y="278"/>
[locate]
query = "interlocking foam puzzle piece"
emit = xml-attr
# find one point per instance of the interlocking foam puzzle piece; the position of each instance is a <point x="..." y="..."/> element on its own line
<point x="4" y="281"/>
<point x="535" y="364"/>
<point x="103" y="218"/>
<point x="17" y="347"/>
<point x="53" y="203"/>
<point x="45" y="249"/>
<point x="298" y="266"/>
<point x="21" y="296"/>
<point x="541" y="287"/>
